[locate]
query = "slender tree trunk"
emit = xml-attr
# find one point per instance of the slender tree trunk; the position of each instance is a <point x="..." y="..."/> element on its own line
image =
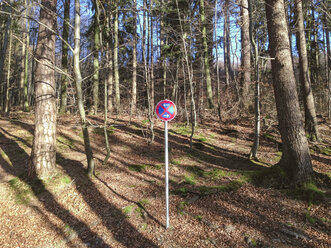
<point x="205" y="55"/>
<point x="328" y="60"/>
<point x="307" y="94"/>
<point x="296" y="160"/>
<point x="255" y="147"/>
<point x="163" y="41"/>
<point x="7" y="103"/>
<point x="26" y="105"/>
<point x="5" y="42"/>
<point x="78" y="78"/>
<point x="64" y="62"/>
<point x="227" y="61"/>
<point x="23" y="20"/>
<point x="190" y="77"/>
<point x="109" y="57"/>
<point x="43" y="154"/>
<point x="94" y="108"/>
<point x="245" y="54"/>
<point x="219" y="110"/>
<point x="152" y="52"/>
<point x="147" y="82"/>
<point x="116" y="73"/>
<point x="134" y="61"/>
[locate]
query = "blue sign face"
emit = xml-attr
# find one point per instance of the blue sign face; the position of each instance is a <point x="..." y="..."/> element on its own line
<point x="166" y="110"/>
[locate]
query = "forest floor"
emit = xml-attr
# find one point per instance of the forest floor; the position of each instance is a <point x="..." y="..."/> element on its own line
<point x="218" y="198"/>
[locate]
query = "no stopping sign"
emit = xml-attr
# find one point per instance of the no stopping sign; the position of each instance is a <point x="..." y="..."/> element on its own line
<point x="166" y="110"/>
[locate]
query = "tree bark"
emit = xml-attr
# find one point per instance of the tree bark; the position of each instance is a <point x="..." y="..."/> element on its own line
<point x="94" y="108"/>
<point x="219" y="110"/>
<point x="26" y="105"/>
<point x="64" y="61"/>
<point x="328" y="58"/>
<point x="205" y="55"/>
<point x="227" y="61"/>
<point x="78" y="78"/>
<point x="23" y="23"/>
<point x="245" y="54"/>
<point x="296" y="160"/>
<point x="7" y="103"/>
<point x="307" y="94"/>
<point x="43" y="154"/>
<point x="116" y="75"/>
<point x="152" y="52"/>
<point x="5" y="42"/>
<point x="109" y="57"/>
<point x="134" y="61"/>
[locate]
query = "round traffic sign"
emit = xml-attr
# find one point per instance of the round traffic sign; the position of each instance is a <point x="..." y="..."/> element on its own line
<point x="166" y="110"/>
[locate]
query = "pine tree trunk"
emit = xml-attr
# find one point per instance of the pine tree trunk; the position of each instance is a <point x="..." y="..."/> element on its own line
<point x="296" y="160"/>
<point x="307" y="94"/>
<point x="43" y="154"/>
<point x="205" y="55"/>
<point x="64" y="61"/>
<point x="78" y="78"/>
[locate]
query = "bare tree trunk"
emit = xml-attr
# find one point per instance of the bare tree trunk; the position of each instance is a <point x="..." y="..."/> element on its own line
<point x="94" y="107"/>
<point x="328" y="61"/>
<point x="147" y="82"/>
<point x="134" y="61"/>
<point x="227" y="61"/>
<point x="116" y="73"/>
<point x="190" y="77"/>
<point x="5" y="42"/>
<point x="307" y="94"/>
<point x="23" y="20"/>
<point x="152" y="52"/>
<point x="43" y="154"/>
<point x="64" y="62"/>
<point x="245" y="54"/>
<point x="296" y="160"/>
<point x="219" y="110"/>
<point x="26" y="105"/>
<point x="78" y="78"/>
<point x="7" y="103"/>
<point x="255" y="147"/>
<point x="109" y="57"/>
<point x="205" y="54"/>
<point x="185" y="94"/>
<point x="163" y="41"/>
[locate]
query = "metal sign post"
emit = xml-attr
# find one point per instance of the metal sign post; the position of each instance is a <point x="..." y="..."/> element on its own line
<point x="166" y="171"/>
<point x="166" y="110"/>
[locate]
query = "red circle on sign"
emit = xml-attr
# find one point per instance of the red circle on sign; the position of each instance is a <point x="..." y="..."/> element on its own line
<point x="166" y="110"/>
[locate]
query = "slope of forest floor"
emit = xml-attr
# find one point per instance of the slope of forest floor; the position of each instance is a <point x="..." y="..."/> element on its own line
<point x="218" y="198"/>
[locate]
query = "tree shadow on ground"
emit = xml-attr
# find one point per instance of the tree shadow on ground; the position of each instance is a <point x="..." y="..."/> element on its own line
<point x="110" y="216"/>
<point x="255" y="212"/>
<point x="45" y="197"/>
